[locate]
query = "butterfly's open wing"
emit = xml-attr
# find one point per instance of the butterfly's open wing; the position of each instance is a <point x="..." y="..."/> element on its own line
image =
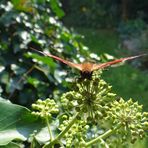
<point x="103" y="65"/>
<point x="71" y="64"/>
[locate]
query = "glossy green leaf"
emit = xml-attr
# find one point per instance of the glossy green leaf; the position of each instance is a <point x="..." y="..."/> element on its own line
<point x="16" y="122"/>
<point x="43" y="59"/>
<point x="43" y="136"/>
<point x="56" y="8"/>
<point x="22" y="5"/>
<point x="12" y="145"/>
<point x="33" y="81"/>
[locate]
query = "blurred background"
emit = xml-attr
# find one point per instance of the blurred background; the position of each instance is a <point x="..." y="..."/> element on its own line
<point x="118" y="28"/>
<point x="100" y="30"/>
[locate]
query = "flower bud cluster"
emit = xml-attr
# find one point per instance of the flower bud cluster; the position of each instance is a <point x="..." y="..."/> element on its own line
<point x="89" y="96"/>
<point x="45" y="108"/>
<point x="76" y="133"/>
<point x="129" y="115"/>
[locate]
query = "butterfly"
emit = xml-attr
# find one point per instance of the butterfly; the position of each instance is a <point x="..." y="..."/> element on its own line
<point x="86" y="69"/>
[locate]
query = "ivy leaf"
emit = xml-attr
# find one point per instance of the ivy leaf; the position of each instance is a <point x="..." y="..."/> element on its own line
<point x="43" y="136"/>
<point x="16" y="122"/>
<point x="43" y="59"/>
<point x="22" y="5"/>
<point x="12" y="145"/>
<point x="56" y="8"/>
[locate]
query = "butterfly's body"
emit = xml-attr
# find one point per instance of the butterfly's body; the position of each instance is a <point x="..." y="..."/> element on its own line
<point x="87" y="68"/>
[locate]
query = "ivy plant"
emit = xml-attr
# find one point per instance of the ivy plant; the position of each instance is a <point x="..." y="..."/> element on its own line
<point x="90" y="114"/>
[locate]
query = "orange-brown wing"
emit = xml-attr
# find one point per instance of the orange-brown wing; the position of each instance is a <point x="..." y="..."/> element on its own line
<point x="71" y="64"/>
<point x="101" y="66"/>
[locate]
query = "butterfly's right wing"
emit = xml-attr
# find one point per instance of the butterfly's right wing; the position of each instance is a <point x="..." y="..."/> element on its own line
<point x="71" y="64"/>
<point x="103" y="65"/>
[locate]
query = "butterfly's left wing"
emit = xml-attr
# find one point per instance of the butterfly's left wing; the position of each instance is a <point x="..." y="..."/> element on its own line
<point x="103" y="65"/>
<point x="71" y="64"/>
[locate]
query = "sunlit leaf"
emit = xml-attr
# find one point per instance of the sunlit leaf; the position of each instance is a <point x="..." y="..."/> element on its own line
<point x="16" y="122"/>
<point x="42" y="59"/>
<point x="55" y="7"/>
<point x="33" y="81"/>
<point x="23" y="5"/>
<point x="12" y="145"/>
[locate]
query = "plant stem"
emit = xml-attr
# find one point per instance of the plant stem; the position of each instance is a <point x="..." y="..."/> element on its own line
<point x="48" y="126"/>
<point x="32" y="145"/>
<point x="104" y="136"/>
<point x="62" y="133"/>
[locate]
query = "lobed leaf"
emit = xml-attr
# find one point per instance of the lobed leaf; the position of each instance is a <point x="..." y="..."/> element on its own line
<point x="16" y="122"/>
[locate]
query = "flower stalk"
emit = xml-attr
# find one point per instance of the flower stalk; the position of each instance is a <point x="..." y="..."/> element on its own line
<point x="103" y="136"/>
<point x="62" y="133"/>
<point x="49" y="130"/>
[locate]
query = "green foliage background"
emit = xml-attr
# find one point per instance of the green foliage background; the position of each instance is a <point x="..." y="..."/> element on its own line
<point x="25" y="75"/>
<point x="103" y="13"/>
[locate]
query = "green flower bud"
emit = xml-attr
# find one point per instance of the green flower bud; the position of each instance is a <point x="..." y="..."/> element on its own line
<point x="45" y="108"/>
<point x="133" y="140"/>
<point x="134" y="133"/>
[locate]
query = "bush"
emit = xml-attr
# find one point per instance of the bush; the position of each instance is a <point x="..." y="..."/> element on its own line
<point x="24" y="24"/>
